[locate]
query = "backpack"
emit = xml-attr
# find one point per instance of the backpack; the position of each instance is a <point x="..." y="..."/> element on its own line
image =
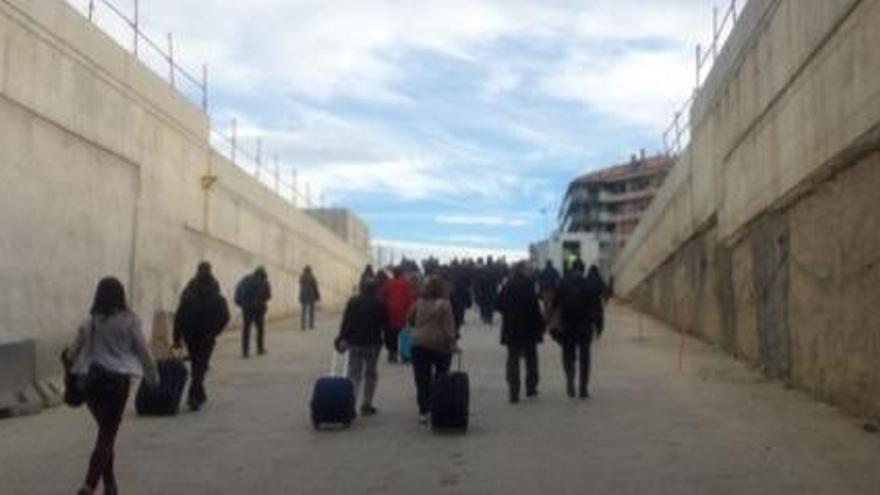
<point x="242" y="291"/>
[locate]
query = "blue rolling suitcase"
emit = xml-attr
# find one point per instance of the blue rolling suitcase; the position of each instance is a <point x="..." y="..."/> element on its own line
<point x="450" y="400"/>
<point x="163" y="399"/>
<point x="404" y="344"/>
<point x="333" y="399"/>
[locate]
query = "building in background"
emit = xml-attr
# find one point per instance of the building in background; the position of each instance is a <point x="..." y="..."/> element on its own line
<point x="608" y="203"/>
<point x="344" y="224"/>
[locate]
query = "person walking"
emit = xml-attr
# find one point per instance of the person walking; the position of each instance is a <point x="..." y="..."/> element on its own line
<point x="367" y="276"/>
<point x="252" y="295"/>
<point x="109" y="350"/>
<point x="433" y="340"/>
<point x="522" y="329"/>
<point x="360" y="334"/>
<point x="548" y="281"/>
<point x="309" y="295"/>
<point x="579" y="302"/>
<point x="399" y="297"/>
<point x="201" y="315"/>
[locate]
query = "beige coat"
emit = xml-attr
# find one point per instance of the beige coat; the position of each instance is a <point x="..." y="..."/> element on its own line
<point x="434" y="326"/>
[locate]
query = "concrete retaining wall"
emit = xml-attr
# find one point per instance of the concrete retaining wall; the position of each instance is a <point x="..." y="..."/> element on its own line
<point x="102" y="174"/>
<point x="765" y="238"/>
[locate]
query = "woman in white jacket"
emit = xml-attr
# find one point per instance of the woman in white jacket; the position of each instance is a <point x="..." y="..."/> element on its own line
<point x="108" y="351"/>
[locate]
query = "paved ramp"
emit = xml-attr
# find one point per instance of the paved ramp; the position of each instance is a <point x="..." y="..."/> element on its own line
<point x="713" y="427"/>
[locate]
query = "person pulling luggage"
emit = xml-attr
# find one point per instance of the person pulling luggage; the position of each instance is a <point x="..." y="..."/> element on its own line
<point x="433" y="340"/>
<point x="108" y="351"/>
<point x="360" y="333"/>
<point x="252" y="295"/>
<point x="201" y="315"/>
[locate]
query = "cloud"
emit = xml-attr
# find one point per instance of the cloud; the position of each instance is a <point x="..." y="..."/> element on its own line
<point x="483" y="220"/>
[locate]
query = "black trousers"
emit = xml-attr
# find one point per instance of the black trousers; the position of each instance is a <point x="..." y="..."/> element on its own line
<point x="106" y="401"/>
<point x="253" y="318"/>
<point x="426" y="363"/>
<point x="516" y="354"/>
<point x="390" y="336"/>
<point x="200" y="351"/>
<point x="576" y="351"/>
<point x="307" y="316"/>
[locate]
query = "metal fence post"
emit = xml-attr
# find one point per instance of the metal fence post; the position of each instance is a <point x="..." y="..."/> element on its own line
<point x="277" y="176"/>
<point x="733" y="9"/>
<point x="137" y="20"/>
<point x="205" y="88"/>
<point x="91" y="10"/>
<point x="233" y="140"/>
<point x="699" y="63"/>
<point x="171" y="59"/>
<point x="259" y="157"/>
<point x="294" y="187"/>
<point x="715" y="32"/>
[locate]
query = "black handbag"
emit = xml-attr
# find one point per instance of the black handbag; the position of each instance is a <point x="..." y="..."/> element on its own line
<point x="76" y="385"/>
<point x="74" y="389"/>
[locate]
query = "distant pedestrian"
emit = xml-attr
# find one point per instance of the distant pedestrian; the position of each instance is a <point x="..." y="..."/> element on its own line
<point x="201" y="315"/>
<point x="309" y="295"/>
<point x="108" y="351"/>
<point x="579" y="302"/>
<point x="522" y="329"/>
<point x="433" y="340"/>
<point x="486" y="291"/>
<point x="548" y="281"/>
<point x="399" y="297"/>
<point x="361" y="331"/>
<point x="252" y="295"/>
<point x="367" y="277"/>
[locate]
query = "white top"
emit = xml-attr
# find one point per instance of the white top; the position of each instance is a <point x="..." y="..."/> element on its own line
<point x="115" y="343"/>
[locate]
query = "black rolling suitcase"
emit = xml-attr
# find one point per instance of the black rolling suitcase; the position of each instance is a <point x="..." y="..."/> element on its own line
<point x="164" y="399"/>
<point x="333" y="399"/>
<point x="450" y="400"/>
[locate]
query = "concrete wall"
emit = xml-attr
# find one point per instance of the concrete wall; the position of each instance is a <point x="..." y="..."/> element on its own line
<point x="765" y="237"/>
<point x="102" y="173"/>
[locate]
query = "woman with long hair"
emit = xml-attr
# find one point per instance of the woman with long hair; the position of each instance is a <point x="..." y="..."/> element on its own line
<point x="108" y="351"/>
<point x="433" y="339"/>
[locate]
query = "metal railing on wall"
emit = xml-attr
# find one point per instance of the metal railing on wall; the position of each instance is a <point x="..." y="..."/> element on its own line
<point x="677" y="136"/>
<point x="122" y="26"/>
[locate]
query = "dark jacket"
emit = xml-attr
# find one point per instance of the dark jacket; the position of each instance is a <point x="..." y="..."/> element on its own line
<point x="579" y="302"/>
<point x="308" y="289"/>
<point x="522" y="323"/>
<point x="364" y="321"/>
<point x="202" y="312"/>
<point x="549" y="279"/>
<point x="253" y="293"/>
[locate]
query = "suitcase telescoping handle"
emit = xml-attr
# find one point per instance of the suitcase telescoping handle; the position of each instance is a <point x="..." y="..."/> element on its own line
<point x="460" y="359"/>
<point x="334" y="361"/>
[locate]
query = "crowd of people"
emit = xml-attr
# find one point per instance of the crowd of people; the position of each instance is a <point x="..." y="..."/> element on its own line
<point x="428" y="302"/>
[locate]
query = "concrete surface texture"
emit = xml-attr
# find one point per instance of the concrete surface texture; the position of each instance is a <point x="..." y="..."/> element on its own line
<point x="713" y="427"/>
<point x="103" y="172"/>
<point x="763" y="238"/>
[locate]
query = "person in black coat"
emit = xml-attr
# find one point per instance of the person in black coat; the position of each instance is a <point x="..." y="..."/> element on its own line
<point x="201" y="315"/>
<point x="363" y="324"/>
<point x="579" y="302"/>
<point x="522" y="329"/>
<point x="309" y="295"/>
<point x="252" y="295"/>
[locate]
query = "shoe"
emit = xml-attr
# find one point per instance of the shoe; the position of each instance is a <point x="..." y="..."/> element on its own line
<point x="245" y="356"/>
<point x="570" y="391"/>
<point x="584" y="394"/>
<point x="392" y="358"/>
<point x="514" y="399"/>
<point x="368" y="411"/>
<point x="110" y="489"/>
<point x="532" y="393"/>
<point x="423" y="419"/>
<point x="85" y="491"/>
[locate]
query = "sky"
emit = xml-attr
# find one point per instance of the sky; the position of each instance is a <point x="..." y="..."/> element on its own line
<point x="449" y="126"/>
